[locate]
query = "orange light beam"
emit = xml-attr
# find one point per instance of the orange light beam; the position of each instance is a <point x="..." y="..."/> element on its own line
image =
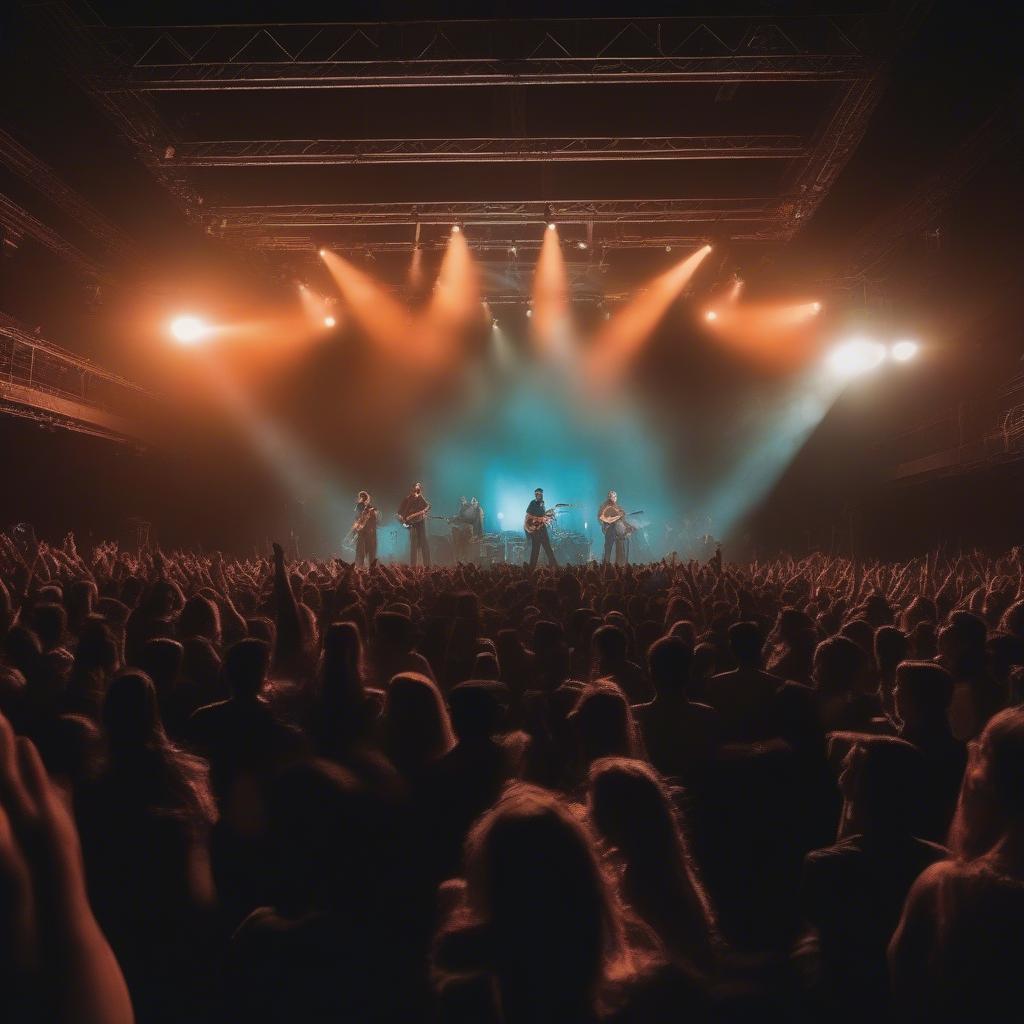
<point x="379" y="314"/>
<point x="618" y="342"/>
<point x="550" y="321"/>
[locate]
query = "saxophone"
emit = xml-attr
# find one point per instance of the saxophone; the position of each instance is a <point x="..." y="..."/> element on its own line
<point x="362" y="520"/>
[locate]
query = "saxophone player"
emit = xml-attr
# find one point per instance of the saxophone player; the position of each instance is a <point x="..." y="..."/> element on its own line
<point x="412" y="514"/>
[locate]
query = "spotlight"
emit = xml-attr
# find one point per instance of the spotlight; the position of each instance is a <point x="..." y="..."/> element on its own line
<point x="323" y="252"/>
<point x="529" y="312"/>
<point x="711" y="315"/>
<point x="903" y="351"/>
<point x="494" y="323"/>
<point x="188" y="329"/>
<point x="668" y="248"/>
<point x="456" y="229"/>
<point x="855" y="357"/>
<point x="501" y="515"/>
<point x="512" y="250"/>
<point x="816" y="306"/>
<point x="551" y="225"/>
<point x="329" y="321"/>
<point x="581" y="245"/>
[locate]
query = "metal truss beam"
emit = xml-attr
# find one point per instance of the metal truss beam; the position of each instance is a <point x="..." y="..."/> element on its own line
<point x="486" y="53"/>
<point x="45" y="180"/>
<point x="304" y="245"/>
<point x="46" y="383"/>
<point x="833" y="148"/>
<point x="17" y="332"/>
<point x="880" y="238"/>
<point x="133" y="115"/>
<point x="287" y="217"/>
<point x="20" y="223"/>
<point x="299" y="152"/>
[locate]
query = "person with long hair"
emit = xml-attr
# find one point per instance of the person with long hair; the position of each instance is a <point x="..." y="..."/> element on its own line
<point x="957" y="950"/>
<point x="632" y="810"/>
<point x="145" y="826"/>
<point x="343" y="710"/>
<point x="538" y="933"/>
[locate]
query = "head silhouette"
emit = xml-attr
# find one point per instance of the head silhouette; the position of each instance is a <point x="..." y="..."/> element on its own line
<point x="245" y="668"/>
<point x="922" y="695"/>
<point x="131" y="717"/>
<point x="417" y="729"/>
<point x="668" y="661"/>
<point x="536" y="884"/>
<point x="746" y="644"/>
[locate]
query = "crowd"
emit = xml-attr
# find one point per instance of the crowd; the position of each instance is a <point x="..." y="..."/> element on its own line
<point x="267" y="790"/>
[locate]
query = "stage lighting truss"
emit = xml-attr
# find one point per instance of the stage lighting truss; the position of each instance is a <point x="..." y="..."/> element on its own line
<point x="47" y="383"/>
<point x="124" y="68"/>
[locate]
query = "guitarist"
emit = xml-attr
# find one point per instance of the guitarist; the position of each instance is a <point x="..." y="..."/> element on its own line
<point x="412" y="513"/>
<point x="365" y="529"/>
<point x="612" y="517"/>
<point x="539" y="537"/>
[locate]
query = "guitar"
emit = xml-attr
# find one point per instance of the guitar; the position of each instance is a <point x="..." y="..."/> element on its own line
<point x="610" y="520"/>
<point x="533" y="523"/>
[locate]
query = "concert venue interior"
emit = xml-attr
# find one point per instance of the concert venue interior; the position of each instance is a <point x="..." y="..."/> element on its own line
<point x="754" y="268"/>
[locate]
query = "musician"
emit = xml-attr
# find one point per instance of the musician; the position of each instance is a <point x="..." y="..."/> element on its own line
<point x="467" y="525"/>
<point x="415" y="505"/>
<point x="475" y="518"/>
<point x="539" y="538"/>
<point x="612" y="517"/>
<point x="365" y="529"/>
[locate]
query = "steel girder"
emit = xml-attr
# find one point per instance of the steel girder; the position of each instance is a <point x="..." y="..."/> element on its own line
<point x="478" y="52"/>
<point x="318" y="152"/>
<point x="561" y="211"/>
<point x="21" y="161"/>
<point x="46" y="383"/>
<point x="20" y="223"/>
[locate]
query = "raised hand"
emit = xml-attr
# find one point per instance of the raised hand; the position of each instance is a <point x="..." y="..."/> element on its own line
<point x="69" y="971"/>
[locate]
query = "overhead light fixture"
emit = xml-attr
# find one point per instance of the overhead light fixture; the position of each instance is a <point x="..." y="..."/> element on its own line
<point x="711" y="315"/>
<point x="856" y="357"/>
<point x="904" y="351"/>
<point x="189" y="329"/>
<point x="329" y="321"/>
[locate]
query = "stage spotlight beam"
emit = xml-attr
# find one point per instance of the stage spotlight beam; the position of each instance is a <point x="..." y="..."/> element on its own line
<point x="856" y="357"/>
